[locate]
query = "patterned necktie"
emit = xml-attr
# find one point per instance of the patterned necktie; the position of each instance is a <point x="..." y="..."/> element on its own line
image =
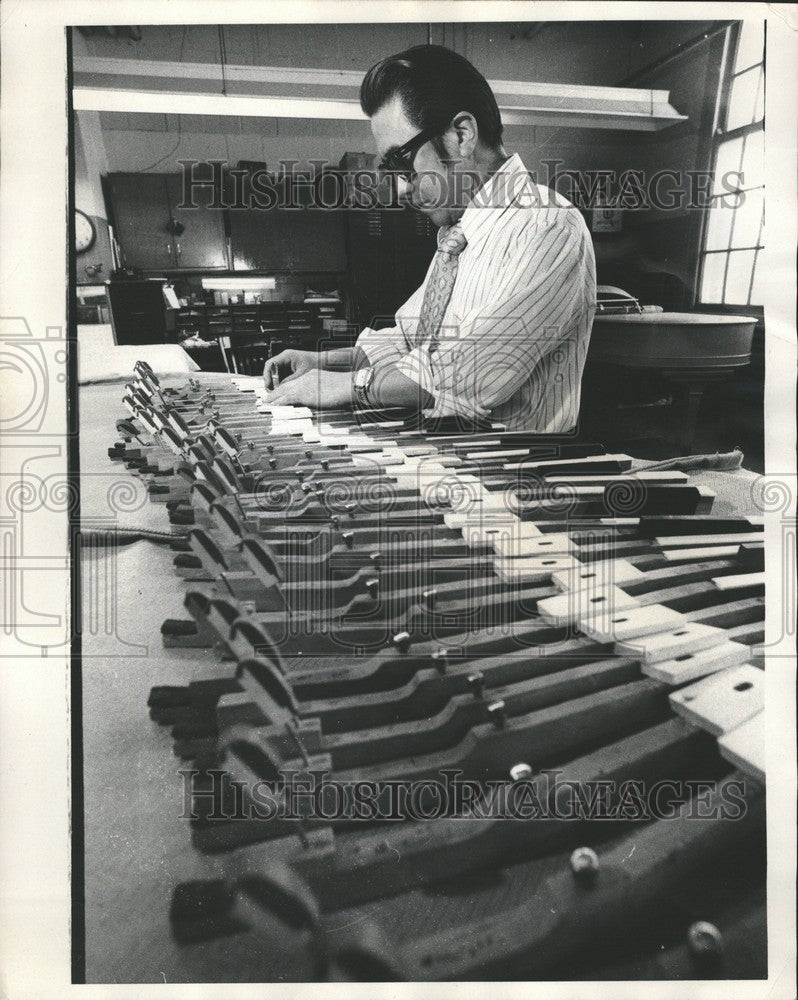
<point x="451" y="243"/>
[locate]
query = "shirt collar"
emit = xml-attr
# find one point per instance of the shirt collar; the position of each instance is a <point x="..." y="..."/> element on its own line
<point x="500" y="191"/>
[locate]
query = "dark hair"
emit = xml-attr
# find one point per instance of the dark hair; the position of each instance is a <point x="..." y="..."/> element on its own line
<point x="433" y="83"/>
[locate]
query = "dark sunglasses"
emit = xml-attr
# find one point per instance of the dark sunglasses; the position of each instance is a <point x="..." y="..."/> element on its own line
<point x="399" y="160"/>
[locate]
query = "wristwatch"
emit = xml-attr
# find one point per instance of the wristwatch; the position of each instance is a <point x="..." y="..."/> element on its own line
<point x="361" y="381"/>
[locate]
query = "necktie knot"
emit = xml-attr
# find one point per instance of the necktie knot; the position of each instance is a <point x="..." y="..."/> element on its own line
<point x="451" y="240"/>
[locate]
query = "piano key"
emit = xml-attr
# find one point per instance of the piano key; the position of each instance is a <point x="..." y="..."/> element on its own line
<point x="711" y="552"/>
<point x="744" y="746"/>
<point x="631" y="623"/>
<point x="724" y="701"/>
<point x="605" y="571"/>
<point x="535" y="568"/>
<point x="591" y="602"/>
<point x="691" y="637"/>
<point x="525" y="545"/>
<point x="692" y="666"/>
<point x="723" y="538"/>
<point x="743" y="581"/>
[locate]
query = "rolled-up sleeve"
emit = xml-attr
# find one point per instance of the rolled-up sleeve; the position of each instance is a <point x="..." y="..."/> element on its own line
<point x="382" y="347"/>
<point x="547" y="285"/>
<point x="389" y="345"/>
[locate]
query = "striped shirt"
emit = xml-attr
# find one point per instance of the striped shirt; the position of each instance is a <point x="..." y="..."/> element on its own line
<point x="514" y="337"/>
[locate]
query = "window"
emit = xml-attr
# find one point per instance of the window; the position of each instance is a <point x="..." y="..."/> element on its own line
<point x="734" y="226"/>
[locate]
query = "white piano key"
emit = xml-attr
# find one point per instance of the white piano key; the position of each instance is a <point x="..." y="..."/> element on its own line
<point x="711" y="552"/>
<point x="394" y="453"/>
<point x="533" y="570"/>
<point x="739" y="582"/>
<point x="566" y="463"/>
<point x="744" y="746"/>
<point x="631" y="623"/>
<point x="670" y="477"/>
<point x="280" y="428"/>
<point x="326" y="440"/>
<point x="514" y="531"/>
<point x="517" y="452"/>
<point x="423" y="478"/>
<point x="592" y="602"/>
<point x="691" y="666"/>
<point x="526" y="544"/>
<point x="690" y="637"/>
<point x="480" y="534"/>
<point x="604" y="571"/>
<point x="248" y="383"/>
<point x="287" y="412"/>
<point x="724" y="701"/>
<point x="686" y="541"/>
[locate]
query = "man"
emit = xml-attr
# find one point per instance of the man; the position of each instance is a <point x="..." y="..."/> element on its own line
<point x="501" y="325"/>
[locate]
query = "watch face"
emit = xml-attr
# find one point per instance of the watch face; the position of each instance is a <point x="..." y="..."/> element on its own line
<point x="84" y="231"/>
<point x="363" y="378"/>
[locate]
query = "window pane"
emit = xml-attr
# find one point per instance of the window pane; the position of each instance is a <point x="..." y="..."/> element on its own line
<point x="719" y="226"/>
<point x="748" y="219"/>
<point x="728" y="162"/>
<point x="744" y="98"/>
<point x="712" y="278"/>
<point x="758" y="291"/>
<point x="738" y="278"/>
<point x="751" y="45"/>
<point x="754" y="159"/>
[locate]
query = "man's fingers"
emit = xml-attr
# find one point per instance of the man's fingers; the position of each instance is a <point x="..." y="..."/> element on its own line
<point x="282" y="395"/>
<point x="269" y="375"/>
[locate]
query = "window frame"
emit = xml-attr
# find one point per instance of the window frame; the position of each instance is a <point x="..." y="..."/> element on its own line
<point x="719" y="137"/>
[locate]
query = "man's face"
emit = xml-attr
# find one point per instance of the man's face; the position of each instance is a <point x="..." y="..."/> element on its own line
<point x="430" y="190"/>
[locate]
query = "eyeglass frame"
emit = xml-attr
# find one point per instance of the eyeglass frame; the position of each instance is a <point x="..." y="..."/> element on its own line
<point x="399" y="159"/>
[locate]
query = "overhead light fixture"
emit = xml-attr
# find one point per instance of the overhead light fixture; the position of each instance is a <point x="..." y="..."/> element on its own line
<point x="161" y="102"/>
<point x="272" y="92"/>
<point x="239" y="284"/>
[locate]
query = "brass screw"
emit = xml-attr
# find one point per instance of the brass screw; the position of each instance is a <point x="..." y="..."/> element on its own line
<point x="402" y="641"/>
<point x="441" y="658"/>
<point x="476" y="682"/>
<point x="497" y="711"/>
<point x="705" y="941"/>
<point x="585" y="864"/>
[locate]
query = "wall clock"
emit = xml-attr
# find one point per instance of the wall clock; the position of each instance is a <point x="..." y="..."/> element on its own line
<point x="85" y="233"/>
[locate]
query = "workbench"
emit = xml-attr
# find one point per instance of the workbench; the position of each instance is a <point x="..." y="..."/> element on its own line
<point x="136" y="847"/>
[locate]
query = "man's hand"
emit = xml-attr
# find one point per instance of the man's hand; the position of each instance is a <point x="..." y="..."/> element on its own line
<point x="300" y="362"/>
<point x="317" y="389"/>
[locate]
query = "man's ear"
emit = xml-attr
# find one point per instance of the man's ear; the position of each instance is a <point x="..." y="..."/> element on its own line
<point x="466" y="131"/>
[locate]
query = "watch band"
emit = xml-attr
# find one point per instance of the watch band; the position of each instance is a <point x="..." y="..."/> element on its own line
<point x="362" y="391"/>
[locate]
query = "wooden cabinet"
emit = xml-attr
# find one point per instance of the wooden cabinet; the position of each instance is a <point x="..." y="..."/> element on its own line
<point x="201" y="245"/>
<point x="384" y="251"/>
<point x="154" y="234"/>
<point x="257" y="234"/>
<point x="139" y="206"/>
<point x="389" y="251"/>
<point x="273" y="238"/>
